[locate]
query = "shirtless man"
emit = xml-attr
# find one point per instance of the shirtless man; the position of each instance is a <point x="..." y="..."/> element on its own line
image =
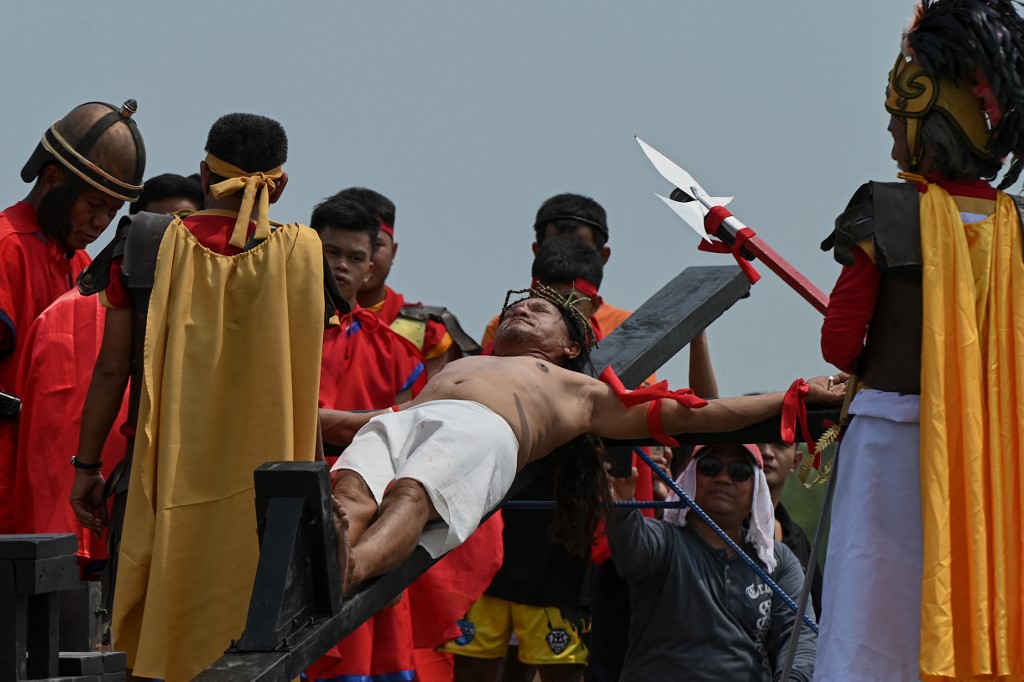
<point x="452" y="453"/>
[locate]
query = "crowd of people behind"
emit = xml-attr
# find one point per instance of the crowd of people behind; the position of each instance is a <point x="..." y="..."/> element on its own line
<point x="527" y="594"/>
<point x="205" y="340"/>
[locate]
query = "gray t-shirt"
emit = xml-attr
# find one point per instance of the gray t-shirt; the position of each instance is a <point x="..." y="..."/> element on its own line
<point x="697" y="614"/>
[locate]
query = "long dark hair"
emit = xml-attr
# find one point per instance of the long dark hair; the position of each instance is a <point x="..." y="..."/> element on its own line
<point x="580" y="492"/>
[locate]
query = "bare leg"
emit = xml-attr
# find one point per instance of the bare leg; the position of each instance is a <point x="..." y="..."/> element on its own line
<point x="515" y="670"/>
<point x="560" y="673"/>
<point x="391" y="539"/>
<point x="472" y="669"/>
<point x="344" y="550"/>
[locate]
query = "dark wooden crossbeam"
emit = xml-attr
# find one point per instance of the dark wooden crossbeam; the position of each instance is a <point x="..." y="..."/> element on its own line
<point x="669" y="320"/>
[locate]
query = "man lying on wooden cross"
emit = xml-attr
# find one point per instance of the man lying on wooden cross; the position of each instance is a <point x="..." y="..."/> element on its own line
<point x="450" y="455"/>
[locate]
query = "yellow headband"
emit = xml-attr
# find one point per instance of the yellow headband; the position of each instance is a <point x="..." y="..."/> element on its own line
<point x="250" y="183"/>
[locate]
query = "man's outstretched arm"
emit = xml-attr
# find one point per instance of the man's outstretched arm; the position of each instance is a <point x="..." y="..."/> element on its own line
<point x="610" y="419"/>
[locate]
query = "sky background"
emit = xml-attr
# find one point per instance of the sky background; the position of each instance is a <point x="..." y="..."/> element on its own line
<point x="469" y="115"/>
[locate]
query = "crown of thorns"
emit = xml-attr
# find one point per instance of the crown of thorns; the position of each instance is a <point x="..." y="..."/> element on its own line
<point x="567" y="303"/>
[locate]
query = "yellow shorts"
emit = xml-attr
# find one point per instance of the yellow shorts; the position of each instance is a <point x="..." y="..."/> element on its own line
<point x="546" y="634"/>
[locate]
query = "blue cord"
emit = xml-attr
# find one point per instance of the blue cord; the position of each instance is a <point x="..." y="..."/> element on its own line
<point x="637" y="504"/>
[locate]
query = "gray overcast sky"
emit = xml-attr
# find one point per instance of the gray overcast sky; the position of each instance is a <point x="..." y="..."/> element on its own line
<point x="470" y="114"/>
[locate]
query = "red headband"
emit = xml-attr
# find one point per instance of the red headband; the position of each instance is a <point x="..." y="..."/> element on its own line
<point x="579" y="284"/>
<point x="387" y="228"/>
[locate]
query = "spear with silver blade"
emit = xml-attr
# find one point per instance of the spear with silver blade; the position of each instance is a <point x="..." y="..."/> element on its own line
<point x="691" y="203"/>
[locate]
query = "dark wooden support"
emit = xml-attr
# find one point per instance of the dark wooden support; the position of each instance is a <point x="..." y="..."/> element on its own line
<point x="33" y="570"/>
<point x="296" y="614"/>
<point x="81" y="617"/>
<point x="297" y="581"/>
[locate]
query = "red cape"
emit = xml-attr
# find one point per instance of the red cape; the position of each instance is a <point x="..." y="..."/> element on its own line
<point x="53" y="380"/>
<point x="34" y="271"/>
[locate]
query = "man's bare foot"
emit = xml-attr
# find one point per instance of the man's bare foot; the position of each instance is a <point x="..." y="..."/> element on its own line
<point x="345" y="561"/>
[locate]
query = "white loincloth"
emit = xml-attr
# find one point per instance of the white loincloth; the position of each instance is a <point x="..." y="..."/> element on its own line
<point x="463" y="454"/>
<point x="871" y="599"/>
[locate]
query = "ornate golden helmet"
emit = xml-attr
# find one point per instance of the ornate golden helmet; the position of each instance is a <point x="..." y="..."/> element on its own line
<point x="913" y="93"/>
<point x="964" y="59"/>
<point x="99" y="143"/>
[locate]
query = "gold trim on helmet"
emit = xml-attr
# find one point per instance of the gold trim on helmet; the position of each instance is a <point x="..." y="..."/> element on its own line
<point x="913" y="93"/>
<point x="92" y="166"/>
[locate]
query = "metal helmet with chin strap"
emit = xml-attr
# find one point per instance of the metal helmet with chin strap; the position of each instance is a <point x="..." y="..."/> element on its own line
<point x="100" y="144"/>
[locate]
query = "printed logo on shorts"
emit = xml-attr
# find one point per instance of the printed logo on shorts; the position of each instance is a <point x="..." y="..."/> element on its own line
<point x="558" y="640"/>
<point x="468" y="631"/>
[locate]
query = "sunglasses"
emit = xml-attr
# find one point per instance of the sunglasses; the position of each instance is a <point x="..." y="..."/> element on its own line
<point x="738" y="471"/>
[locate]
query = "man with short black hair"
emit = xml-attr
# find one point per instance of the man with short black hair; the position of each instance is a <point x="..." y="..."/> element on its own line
<point x="430" y="335"/>
<point x="222" y="342"/>
<point x="170" y="193"/>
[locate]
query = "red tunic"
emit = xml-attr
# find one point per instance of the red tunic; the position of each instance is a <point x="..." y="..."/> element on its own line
<point x="34" y="271"/>
<point x="366" y="365"/>
<point x="53" y="380"/>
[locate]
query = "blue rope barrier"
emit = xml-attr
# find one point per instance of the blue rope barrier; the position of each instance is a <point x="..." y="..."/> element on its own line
<point x="637" y="504"/>
<point x="683" y="497"/>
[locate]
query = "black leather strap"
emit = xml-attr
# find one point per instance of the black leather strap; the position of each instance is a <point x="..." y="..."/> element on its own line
<point x="422" y="313"/>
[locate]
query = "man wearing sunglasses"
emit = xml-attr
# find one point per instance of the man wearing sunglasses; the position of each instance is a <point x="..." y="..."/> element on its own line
<point x="698" y="610"/>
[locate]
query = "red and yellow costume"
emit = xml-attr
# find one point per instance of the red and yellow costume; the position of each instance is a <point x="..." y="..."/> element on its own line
<point x="971" y="435"/>
<point x="433" y="339"/>
<point x="34" y="270"/>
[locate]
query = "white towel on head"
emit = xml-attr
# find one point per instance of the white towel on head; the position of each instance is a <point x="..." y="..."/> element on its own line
<point x="761" y="533"/>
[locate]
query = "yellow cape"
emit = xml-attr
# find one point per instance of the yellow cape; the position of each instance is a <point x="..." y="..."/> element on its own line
<point x="232" y="370"/>
<point x="972" y="427"/>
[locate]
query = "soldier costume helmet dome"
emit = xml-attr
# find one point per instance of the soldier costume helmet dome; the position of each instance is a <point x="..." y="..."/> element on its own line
<point x="99" y="143"/>
<point x="964" y="59"/>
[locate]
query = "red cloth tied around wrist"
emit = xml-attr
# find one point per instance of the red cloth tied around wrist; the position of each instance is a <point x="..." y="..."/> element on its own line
<point x="653" y="395"/>
<point x="712" y="221"/>
<point x="794" y="412"/>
